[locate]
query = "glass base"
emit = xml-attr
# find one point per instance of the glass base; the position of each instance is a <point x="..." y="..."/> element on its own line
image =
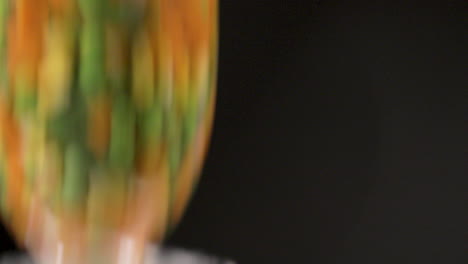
<point x="153" y="255"/>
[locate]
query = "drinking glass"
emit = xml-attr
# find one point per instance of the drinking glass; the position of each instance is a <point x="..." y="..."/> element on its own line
<point x="106" y="108"/>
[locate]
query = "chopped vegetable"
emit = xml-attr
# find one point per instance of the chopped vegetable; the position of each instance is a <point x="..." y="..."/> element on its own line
<point x="105" y="105"/>
<point x="152" y="125"/>
<point x="122" y="152"/>
<point x="99" y="118"/>
<point x="116" y="57"/>
<point x="55" y="73"/>
<point x="143" y="72"/>
<point x="75" y="177"/>
<point x="4" y="15"/>
<point x="92" y="10"/>
<point x="92" y="64"/>
<point x="174" y="142"/>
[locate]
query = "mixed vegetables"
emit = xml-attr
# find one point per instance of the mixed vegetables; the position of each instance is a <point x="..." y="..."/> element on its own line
<point x="105" y="112"/>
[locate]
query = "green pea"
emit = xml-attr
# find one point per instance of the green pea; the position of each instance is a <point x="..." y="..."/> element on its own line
<point x="152" y="125"/>
<point x="76" y="178"/>
<point x="78" y="123"/>
<point x="69" y="126"/>
<point x="191" y="121"/>
<point x="122" y="143"/>
<point x="57" y="127"/>
<point x="25" y="100"/>
<point x="92" y="10"/>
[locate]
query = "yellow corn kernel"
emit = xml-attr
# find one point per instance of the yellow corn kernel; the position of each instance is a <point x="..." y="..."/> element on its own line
<point x="55" y="72"/>
<point x="49" y="170"/>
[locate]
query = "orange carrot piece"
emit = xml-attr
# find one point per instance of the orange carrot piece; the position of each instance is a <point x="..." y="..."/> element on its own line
<point x="14" y="166"/>
<point x="99" y="126"/>
<point x="30" y="19"/>
<point x="11" y="48"/>
<point x="180" y="56"/>
<point x="59" y="5"/>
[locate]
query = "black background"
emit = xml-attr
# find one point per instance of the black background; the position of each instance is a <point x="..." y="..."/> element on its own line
<point x="338" y="135"/>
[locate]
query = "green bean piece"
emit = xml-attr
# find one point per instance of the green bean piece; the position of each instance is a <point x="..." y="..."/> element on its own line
<point x="4" y="13"/>
<point x="92" y="10"/>
<point x="69" y="126"/>
<point x="191" y="121"/>
<point x="152" y="125"/>
<point x="57" y="127"/>
<point x="143" y="81"/>
<point x="174" y="141"/>
<point x="122" y="144"/>
<point x="92" y="64"/>
<point x="4" y="9"/>
<point x="76" y="178"/>
<point x="25" y="97"/>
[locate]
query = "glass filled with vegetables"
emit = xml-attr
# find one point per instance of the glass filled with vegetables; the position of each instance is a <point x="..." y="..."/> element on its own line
<point x="106" y="108"/>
